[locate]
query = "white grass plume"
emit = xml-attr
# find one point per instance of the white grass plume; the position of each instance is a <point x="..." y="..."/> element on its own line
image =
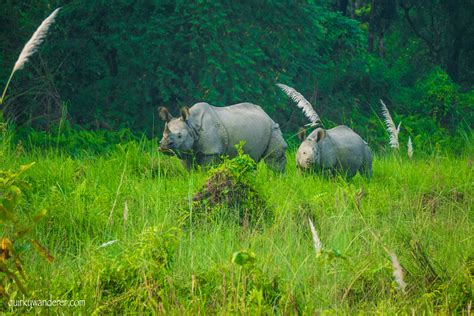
<point x="392" y="130"/>
<point x="398" y="272"/>
<point x="302" y="103"/>
<point x="125" y="212"/>
<point x="31" y="47"/>
<point x="35" y="41"/>
<point x="410" y="148"/>
<point x="317" y="242"/>
<point x="106" y="244"/>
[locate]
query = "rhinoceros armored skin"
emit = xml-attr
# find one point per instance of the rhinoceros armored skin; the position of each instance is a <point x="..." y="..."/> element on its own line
<point x="204" y="133"/>
<point x="339" y="149"/>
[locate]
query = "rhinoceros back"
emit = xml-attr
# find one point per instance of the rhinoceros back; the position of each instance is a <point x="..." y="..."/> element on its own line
<point x="346" y="149"/>
<point x="221" y="128"/>
<point x="246" y="122"/>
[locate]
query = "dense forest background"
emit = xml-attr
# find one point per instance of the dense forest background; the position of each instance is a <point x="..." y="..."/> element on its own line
<point x="110" y="64"/>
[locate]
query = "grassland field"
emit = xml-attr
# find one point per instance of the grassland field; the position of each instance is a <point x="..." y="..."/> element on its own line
<point x="121" y="228"/>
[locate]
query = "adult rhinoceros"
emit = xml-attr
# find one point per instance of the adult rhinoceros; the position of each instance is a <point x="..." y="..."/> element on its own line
<point x="204" y="133"/>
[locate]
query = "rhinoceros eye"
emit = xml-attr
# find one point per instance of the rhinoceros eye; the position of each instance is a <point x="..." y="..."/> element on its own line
<point x="179" y="135"/>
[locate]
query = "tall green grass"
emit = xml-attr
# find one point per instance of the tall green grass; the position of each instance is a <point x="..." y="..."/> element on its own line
<point x="420" y="209"/>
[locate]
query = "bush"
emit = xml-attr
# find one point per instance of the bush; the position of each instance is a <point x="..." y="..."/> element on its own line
<point x="230" y="188"/>
<point x="135" y="278"/>
<point x="13" y="243"/>
<point x="74" y="141"/>
<point x="443" y="101"/>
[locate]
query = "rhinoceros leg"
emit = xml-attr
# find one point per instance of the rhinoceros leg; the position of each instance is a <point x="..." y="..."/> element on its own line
<point x="274" y="156"/>
<point x="206" y="160"/>
<point x="187" y="163"/>
<point x="366" y="168"/>
<point x="193" y="162"/>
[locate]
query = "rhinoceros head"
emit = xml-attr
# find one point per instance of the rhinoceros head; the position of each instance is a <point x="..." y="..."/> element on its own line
<point x="309" y="153"/>
<point x="178" y="136"/>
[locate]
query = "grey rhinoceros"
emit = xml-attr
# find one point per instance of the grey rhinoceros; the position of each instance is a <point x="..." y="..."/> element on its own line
<point x="338" y="149"/>
<point x="204" y="133"/>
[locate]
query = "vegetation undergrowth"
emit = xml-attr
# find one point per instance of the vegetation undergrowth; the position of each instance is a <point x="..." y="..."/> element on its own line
<point x="230" y="192"/>
<point x="115" y="229"/>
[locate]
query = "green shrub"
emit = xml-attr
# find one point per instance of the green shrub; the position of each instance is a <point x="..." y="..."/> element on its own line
<point x="230" y="192"/>
<point x="14" y="232"/>
<point x="74" y="141"/>
<point x="135" y="278"/>
<point x="443" y="101"/>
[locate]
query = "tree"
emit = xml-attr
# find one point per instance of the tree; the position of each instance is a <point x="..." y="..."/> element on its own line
<point x="445" y="27"/>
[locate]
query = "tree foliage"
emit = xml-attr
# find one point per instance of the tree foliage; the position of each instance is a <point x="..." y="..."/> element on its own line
<point x="115" y="63"/>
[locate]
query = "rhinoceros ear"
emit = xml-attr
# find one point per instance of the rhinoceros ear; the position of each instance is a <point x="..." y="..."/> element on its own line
<point x="164" y="114"/>
<point x="184" y="113"/>
<point x="301" y="134"/>
<point x="320" y="134"/>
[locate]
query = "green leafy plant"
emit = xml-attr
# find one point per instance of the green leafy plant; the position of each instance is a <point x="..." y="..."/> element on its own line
<point x="257" y="291"/>
<point x="136" y="277"/>
<point x="11" y="266"/>
<point x="231" y="187"/>
<point x="243" y="258"/>
<point x="442" y="98"/>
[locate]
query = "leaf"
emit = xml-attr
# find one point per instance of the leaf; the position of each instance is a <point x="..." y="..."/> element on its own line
<point x="22" y="232"/>
<point x="5" y="214"/>
<point x="11" y="275"/>
<point x="42" y="250"/>
<point x="7" y="249"/>
<point x="242" y="258"/>
<point x="24" y="168"/>
<point x="334" y="254"/>
<point x="337" y="254"/>
<point x="19" y="248"/>
<point x="39" y="216"/>
<point x="4" y="293"/>
<point x="19" y="267"/>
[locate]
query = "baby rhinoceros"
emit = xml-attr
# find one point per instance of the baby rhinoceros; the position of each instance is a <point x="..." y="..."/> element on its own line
<point x="204" y="133"/>
<point x="337" y="150"/>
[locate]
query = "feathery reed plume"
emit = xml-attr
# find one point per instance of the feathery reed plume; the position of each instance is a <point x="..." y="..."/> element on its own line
<point x="410" y="148"/>
<point x="125" y="212"/>
<point x="302" y="103"/>
<point x="398" y="272"/>
<point x="35" y="41"/>
<point x="31" y="46"/>
<point x="392" y="130"/>
<point x="317" y="243"/>
<point x="106" y="244"/>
